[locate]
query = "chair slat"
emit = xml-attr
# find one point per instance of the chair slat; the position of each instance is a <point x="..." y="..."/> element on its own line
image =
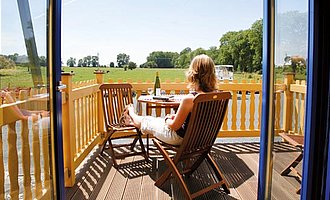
<point x="114" y="99"/>
<point x="206" y="118"/>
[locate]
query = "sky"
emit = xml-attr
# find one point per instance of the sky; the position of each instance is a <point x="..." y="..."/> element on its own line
<point x="137" y="28"/>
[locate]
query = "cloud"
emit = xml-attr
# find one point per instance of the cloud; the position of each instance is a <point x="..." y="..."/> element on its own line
<point x="69" y="2"/>
<point x="39" y="16"/>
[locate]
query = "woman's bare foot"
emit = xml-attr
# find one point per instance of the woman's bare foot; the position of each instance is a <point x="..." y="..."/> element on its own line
<point x="136" y="119"/>
<point x="127" y="119"/>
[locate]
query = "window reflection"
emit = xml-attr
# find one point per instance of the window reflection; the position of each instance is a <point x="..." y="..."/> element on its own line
<point x="25" y="170"/>
<point x="291" y="40"/>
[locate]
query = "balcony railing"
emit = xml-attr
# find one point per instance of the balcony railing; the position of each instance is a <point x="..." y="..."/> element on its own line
<point x="83" y="125"/>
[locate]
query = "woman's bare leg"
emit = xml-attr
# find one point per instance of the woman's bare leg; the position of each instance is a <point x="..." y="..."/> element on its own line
<point x="135" y="118"/>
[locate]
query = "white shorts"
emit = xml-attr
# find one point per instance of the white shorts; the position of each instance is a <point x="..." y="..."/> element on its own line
<point x="157" y="127"/>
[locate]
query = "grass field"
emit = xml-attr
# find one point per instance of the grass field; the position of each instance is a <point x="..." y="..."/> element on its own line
<point x="87" y="73"/>
<point x="20" y="77"/>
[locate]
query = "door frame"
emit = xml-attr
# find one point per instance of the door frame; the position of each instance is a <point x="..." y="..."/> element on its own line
<point x="54" y="63"/>
<point x="315" y="185"/>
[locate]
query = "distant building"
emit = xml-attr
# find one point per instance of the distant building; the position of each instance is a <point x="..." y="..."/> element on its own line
<point x="22" y="59"/>
<point x="224" y="72"/>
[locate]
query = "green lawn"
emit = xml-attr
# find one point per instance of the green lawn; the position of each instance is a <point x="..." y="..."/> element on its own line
<point x="87" y="73"/>
<point x="20" y="77"/>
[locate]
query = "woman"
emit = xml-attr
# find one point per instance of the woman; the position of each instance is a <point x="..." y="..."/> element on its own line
<point x="201" y="79"/>
<point x="21" y="114"/>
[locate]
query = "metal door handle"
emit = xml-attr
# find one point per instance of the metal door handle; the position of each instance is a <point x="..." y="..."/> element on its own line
<point x="60" y="86"/>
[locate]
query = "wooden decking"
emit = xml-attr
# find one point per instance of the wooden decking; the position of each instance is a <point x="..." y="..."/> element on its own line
<point x="97" y="179"/>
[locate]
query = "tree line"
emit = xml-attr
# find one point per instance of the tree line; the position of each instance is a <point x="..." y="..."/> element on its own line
<point x="242" y="49"/>
<point x="88" y="61"/>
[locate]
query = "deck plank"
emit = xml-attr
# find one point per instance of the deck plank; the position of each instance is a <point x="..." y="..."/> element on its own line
<point x="118" y="184"/>
<point x="135" y="177"/>
<point x="102" y="193"/>
<point x="89" y="176"/>
<point x="134" y="181"/>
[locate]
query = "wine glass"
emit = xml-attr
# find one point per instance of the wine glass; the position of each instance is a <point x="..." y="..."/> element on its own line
<point x="150" y="91"/>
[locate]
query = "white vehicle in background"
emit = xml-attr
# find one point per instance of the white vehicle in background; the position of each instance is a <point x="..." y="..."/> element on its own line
<point x="224" y="72"/>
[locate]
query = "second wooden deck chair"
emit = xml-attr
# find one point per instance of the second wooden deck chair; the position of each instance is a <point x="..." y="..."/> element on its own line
<point x="205" y="122"/>
<point x="114" y="99"/>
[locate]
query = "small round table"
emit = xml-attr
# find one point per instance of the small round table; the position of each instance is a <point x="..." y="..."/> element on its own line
<point x="151" y="103"/>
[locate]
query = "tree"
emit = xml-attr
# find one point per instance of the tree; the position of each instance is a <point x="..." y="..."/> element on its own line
<point x="80" y="63"/>
<point x="255" y="38"/>
<point x="149" y="64"/>
<point x="13" y="57"/>
<point x="6" y="63"/>
<point x="183" y="61"/>
<point x="213" y="52"/>
<point x="197" y="52"/>
<point x="235" y="49"/>
<point x="131" y="65"/>
<point x="112" y="64"/>
<point x="71" y="62"/>
<point x="184" y="58"/>
<point x="186" y="50"/>
<point x="95" y="61"/>
<point x="42" y="61"/>
<point x="226" y="49"/>
<point x="163" y="59"/>
<point x="122" y="59"/>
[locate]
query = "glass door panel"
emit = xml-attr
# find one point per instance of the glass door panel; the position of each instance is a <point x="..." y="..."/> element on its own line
<point x="291" y="28"/>
<point x="25" y="142"/>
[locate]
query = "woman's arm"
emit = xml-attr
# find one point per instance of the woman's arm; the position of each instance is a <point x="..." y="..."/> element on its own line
<point x="184" y="109"/>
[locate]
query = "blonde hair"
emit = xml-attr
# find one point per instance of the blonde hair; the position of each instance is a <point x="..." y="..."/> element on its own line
<point x="201" y="74"/>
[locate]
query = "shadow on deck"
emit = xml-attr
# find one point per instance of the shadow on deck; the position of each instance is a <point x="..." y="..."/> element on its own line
<point x="97" y="179"/>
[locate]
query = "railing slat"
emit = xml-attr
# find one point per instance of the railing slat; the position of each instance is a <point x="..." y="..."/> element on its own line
<point x="243" y="110"/>
<point x="296" y="111"/>
<point x="26" y="159"/>
<point x="76" y="104"/>
<point x="234" y="111"/>
<point x="302" y="114"/>
<point x="91" y="116"/>
<point x="277" y="110"/>
<point x="13" y="161"/>
<point x="2" y="169"/>
<point x="252" y="109"/>
<point x="45" y="151"/>
<point x="83" y="122"/>
<point x="225" y="121"/>
<point x="36" y="159"/>
<point x="259" y="109"/>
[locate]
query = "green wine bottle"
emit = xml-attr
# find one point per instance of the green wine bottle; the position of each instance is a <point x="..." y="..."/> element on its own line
<point x="157" y="85"/>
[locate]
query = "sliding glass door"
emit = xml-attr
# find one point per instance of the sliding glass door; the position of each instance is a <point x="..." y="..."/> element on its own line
<point x="291" y="42"/>
<point x="26" y="141"/>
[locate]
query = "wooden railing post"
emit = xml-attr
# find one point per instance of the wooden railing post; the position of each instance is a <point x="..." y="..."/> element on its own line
<point x="287" y="105"/>
<point x="2" y="167"/>
<point x="69" y="142"/>
<point x="99" y="74"/>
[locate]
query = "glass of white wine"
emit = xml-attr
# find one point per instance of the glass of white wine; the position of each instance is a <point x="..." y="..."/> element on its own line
<point x="150" y="91"/>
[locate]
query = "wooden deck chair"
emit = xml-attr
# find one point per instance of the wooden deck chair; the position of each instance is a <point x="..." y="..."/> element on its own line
<point x="206" y="119"/>
<point x="297" y="141"/>
<point x="114" y="99"/>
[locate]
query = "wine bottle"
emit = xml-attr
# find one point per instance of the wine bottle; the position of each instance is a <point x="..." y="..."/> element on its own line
<point x="157" y="85"/>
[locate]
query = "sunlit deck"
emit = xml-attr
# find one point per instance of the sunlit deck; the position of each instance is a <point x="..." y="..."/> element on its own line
<point x="83" y="131"/>
<point x="97" y="179"/>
